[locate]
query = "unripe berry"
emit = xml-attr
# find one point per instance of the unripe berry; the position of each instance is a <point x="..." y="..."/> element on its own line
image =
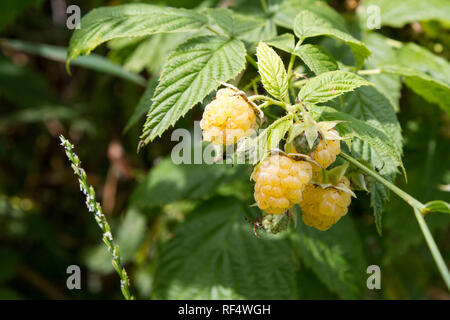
<point x="227" y="118"/>
<point x="321" y="208"/>
<point x="280" y="182"/>
<point x="325" y="153"/>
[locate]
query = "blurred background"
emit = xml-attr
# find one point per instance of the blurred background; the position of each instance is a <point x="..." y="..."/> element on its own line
<point x="44" y="224"/>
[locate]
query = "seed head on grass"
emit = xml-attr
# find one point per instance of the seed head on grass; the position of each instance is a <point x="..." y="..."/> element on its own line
<point x="95" y="207"/>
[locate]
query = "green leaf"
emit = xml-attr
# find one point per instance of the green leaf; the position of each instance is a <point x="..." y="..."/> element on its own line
<point x="249" y="28"/>
<point x="399" y="13"/>
<point x="418" y="58"/>
<point x="267" y="140"/>
<point x="308" y="24"/>
<point x="130" y="20"/>
<point x="382" y="52"/>
<point x="372" y="107"/>
<point x="369" y="105"/>
<point x="94" y="62"/>
<point x="316" y="58"/>
<point x="379" y="197"/>
<point x="285" y="42"/>
<point x="253" y="28"/>
<point x="437" y="206"/>
<point x="144" y="102"/>
<point x="286" y="12"/>
<point x="168" y="182"/>
<point x="330" y="85"/>
<point x="272" y="71"/>
<point x="191" y="72"/>
<point x="336" y="256"/>
<point x="367" y="134"/>
<point x="149" y="53"/>
<point x="429" y="88"/>
<point x="215" y="255"/>
<point x="223" y="18"/>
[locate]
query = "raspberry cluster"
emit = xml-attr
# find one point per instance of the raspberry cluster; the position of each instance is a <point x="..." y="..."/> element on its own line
<point x="280" y="182"/>
<point x="227" y="118"/>
<point x="321" y="208"/>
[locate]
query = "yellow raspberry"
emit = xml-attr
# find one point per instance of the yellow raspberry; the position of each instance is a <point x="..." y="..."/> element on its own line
<point x="321" y="208"/>
<point x="325" y="154"/>
<point x="280" y="182"/>
<point x="227" y="118"/>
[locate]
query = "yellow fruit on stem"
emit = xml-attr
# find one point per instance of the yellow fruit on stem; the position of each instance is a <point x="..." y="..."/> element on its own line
<point x="280" y="182"/>
<point x="326" y="153"/>
<point x="321" y="208"/>
<point x="227" y="118"/>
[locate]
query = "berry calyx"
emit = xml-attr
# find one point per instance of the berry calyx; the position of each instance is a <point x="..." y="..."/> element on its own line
<point x="227" y="118"/>
<point x="322" y="208"/>
<point x="280" y="182"/>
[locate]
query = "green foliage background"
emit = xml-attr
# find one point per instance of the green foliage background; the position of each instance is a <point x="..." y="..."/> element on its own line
<point x="180" y="228"/>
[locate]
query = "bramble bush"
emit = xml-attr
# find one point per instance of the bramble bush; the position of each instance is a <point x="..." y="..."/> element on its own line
<point x="314" y="120"/>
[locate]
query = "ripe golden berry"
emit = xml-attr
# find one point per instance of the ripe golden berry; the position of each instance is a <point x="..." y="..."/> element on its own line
<point x="321" y="208"/>
<point x="280" y="182"/>
<point x="325" y="153"/>
<point x="227" y="118"/>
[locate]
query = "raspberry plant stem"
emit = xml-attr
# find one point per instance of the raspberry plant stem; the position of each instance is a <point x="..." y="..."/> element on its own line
<point x="94" y="206"/>
<point x="433" y="248"/>
<point x="419" y="210"/>
<point x="270" y="100"/>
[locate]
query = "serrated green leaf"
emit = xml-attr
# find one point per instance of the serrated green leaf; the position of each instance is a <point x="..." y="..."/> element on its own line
<point x="168" y="182"/>
<point x="336" y="257"/>
<point x="130" y="20"/>
<point x="316" y="58"/>
<point x="223" y="18"/>
<point x="150" y="53"/>
<point x="330" y="85"/>
<point x="272" y="71"/>
<point x="418" y="58"/>
<point x="399" y="13"/>
<point x="267" y="140"/>
<point x="437" y="206"/>
<point x="379" y="196"/>
<point x="429" y="88"/>
<point x="93" y="62"/>
<point x="382" y="52"/>
<point x="253" y="28"/>
<point x="215" y="255"/>
<point x="288" y="9"/>
<point x="191" y="72"/>
<point x="308" y="24"/>
<point x="369" y="105"/>
<point x="144" y="102"/>
<point x="367" y="134"/>
<point x="285" y="42"/>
